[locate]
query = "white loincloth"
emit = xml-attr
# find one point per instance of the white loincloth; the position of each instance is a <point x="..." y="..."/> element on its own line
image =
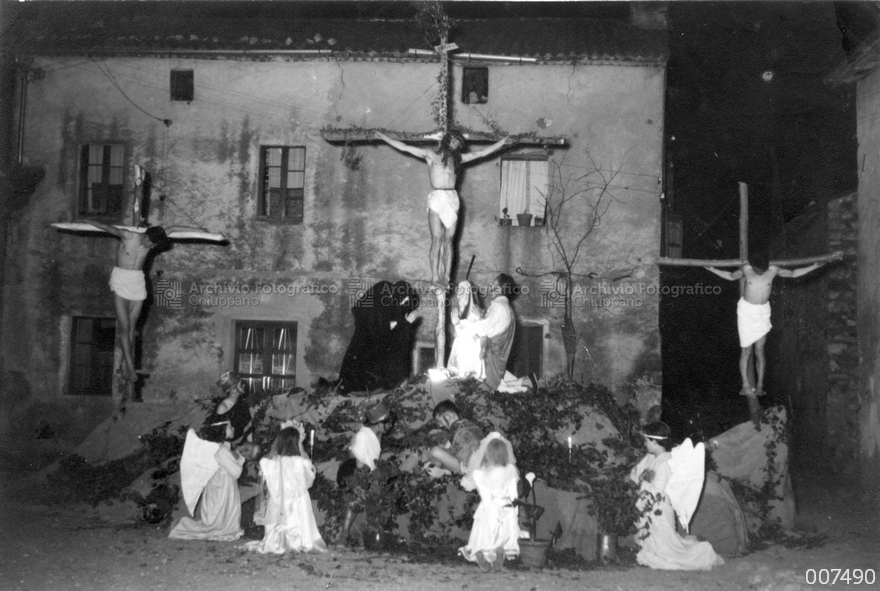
<point x="128" y="283"/>
<point x="752" y="321"/>
<point x="445" y="203"/>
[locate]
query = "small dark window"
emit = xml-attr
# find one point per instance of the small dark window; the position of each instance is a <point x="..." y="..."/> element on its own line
<point x="282" y="183"/>
<point x="100" y="179"/>
<point x="91" y="356"/>
<point x="674" y="231"/>
<point x="265" y="355"/>
<point x="424" y="359"/>
<point x="527" y="351"/>
<point x="474" y="85"/>
<point x="182" y="85"/>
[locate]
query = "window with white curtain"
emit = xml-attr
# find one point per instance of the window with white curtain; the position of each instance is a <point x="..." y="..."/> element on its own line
<point x="524" y="182"/>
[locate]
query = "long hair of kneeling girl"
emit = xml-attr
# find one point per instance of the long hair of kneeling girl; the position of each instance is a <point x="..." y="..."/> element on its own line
<point x="287" y="443"/>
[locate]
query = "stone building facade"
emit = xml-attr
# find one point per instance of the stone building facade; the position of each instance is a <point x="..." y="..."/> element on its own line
<point x="217" y="109"/>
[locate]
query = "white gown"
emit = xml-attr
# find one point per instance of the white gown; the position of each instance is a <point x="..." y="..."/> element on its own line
<point x="496" y="523"/>
<point x="219" y="511"/>
<point x="289" y="521"/>
<point x="660" y="545"/>
<point x="464" y="357"/>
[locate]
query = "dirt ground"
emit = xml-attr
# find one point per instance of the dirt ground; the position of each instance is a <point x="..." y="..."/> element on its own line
<point x="76" y="547"/>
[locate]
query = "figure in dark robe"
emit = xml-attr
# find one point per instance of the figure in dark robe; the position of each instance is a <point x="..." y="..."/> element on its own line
<point x="379" y="355"/>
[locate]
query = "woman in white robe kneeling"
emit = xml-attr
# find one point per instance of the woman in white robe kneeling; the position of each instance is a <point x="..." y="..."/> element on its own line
<point x="670" y="481"/>
<point x="209" y="469"/>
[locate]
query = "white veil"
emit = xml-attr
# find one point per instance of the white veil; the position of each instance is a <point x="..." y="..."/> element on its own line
<point x="467" y="482"/>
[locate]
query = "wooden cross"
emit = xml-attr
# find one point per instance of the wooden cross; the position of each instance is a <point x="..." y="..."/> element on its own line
<point x="744" y="247"/>
<point x="139" y="215"/>
<point x="754" y="405"/>
<point x="445" y="118"/>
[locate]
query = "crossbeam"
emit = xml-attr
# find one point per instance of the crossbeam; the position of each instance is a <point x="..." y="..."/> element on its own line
<point x="173" y="234"/>
<point x="338" y="135"/>
<point x="838" y="255"/>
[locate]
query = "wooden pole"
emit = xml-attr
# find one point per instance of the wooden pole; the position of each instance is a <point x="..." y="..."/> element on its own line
<point x="440" y="330"/>
<point x="743" y="229"/>
<point x="751" y="374"/>
<point x="445" y="114"/>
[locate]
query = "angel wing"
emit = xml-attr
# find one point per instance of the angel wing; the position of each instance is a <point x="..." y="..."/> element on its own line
<point x="197" y="465"/>
<point x="687" y="468"/>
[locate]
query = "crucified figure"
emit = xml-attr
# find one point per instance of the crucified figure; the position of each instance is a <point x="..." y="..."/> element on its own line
<point x="127" y="281"/>
<point x="753" y="317"/>
<point x="443" y="203"/>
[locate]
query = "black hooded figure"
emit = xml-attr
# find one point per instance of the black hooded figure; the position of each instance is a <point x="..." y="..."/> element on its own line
<point x="380" y="352"/>
<point x="360" y="366"/>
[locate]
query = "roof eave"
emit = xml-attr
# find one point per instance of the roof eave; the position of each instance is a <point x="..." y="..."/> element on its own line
<point x="326" y="54"/>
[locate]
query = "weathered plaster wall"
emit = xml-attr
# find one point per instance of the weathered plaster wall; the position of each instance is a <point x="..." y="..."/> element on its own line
<point x="814" y="343"/>
<point x="615" y="115"/>
<point x="868" y="105"/>
<point x="362" y="223"/>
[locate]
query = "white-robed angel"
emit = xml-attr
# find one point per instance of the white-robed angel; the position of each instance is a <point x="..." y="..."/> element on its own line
<point x="127" y="281"/>
<point x="209" y="471"/>
<point x="465" y="357"/>
<point x="670" y="480"/>
<point x="495" y="533"/>
<point x="288" y="474"/>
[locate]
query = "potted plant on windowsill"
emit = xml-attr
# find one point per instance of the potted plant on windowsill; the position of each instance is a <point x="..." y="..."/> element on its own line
<point x="524" y="219"/>
<point x="532" y="552"/>
<point x="506" y="220"/>
<point x="613" y="502"/>
<point x="540" y="220"/>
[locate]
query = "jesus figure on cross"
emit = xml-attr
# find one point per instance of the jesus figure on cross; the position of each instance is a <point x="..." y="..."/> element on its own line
<point x="127" y="280"/>
<point x="443" y="202"/>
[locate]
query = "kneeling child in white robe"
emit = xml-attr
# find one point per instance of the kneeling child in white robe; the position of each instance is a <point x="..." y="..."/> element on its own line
<point x="287" y="476"/>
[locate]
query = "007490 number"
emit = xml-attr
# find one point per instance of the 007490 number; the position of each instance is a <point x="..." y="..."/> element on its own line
<point x="848" y="576"/>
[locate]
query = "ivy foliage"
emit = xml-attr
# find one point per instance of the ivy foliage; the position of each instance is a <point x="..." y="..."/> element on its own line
<point x="537" y="423"/>
<point x="760" y="502"/>
<point x="77" y="481"/>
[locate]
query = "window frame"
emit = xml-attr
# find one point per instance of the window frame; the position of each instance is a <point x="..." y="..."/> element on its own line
<point x="86" y="192"/>
<point x="260" y="382"/>
<point x="533" y="192"/>
<point x="100" y="374"/>
<point x="182" y="85"/>
<point x="472" y="76"/>
<point x="530" y="338"/>
<point x="264" y="197"/>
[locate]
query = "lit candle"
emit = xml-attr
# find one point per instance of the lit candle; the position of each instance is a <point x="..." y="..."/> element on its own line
<point x="312" y="442"/>
<point x="569" y="449"/>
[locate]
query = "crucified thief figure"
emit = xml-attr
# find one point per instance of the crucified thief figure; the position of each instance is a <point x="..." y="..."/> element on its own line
<point x="443" y="202"/>
<point x="753" y="317"/>
<point x="128" y="284"/>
